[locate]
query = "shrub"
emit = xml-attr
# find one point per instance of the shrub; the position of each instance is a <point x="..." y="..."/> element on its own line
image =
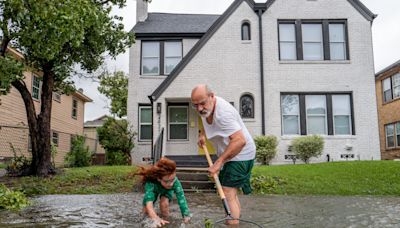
<point x="79" y="156"/>
<point x="19" y="165"/>
<point x="307" y="147"/>
<point x="116" y="158"/>
<point x="265" y="148"/>
<point x="265" y="184"/>
<point x="12" y="200"/>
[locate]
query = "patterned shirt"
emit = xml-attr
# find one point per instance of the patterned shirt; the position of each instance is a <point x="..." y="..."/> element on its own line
<point x="153" y="190"/>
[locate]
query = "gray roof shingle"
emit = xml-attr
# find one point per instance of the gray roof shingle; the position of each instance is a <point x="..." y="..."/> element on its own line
<point x="175" y="23"/>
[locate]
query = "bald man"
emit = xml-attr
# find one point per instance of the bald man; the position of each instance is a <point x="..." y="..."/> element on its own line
<point x="235" y="147"/>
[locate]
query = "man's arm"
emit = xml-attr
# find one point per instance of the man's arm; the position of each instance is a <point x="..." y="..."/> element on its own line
<point x="236" y="144"/>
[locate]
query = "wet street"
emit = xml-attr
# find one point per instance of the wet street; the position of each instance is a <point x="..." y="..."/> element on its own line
<point x="124" y="210"/>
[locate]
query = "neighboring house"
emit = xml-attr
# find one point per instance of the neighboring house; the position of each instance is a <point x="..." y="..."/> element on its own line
<point x="388" y="98"/>
<point x="66" y="118"/>
<point x="290" y="68"/>
<point x="92" y="139"/>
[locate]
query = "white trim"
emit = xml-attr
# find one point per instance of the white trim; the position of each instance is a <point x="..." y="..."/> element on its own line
<point x="298" y="116"/>
<point x="349" y="115"/>
<point x="150" y="57"/>
<point x="144" y="124"/>
<point x="386" y="136"/>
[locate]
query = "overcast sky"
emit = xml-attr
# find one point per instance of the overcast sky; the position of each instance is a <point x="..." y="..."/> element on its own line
<point x="385" y="31"/>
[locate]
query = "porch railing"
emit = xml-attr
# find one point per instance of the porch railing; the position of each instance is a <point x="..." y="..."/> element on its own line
<point x="157" y="148"/>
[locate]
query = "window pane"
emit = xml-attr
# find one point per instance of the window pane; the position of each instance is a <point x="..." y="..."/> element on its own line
<point x="390" y="130"/>
<point x="170" y="64"/>
<point x="288" y="51"/>
<point x="316" y="104"/>
<point x="316" y="125"/>
<point x="342" y="125"/>
<point x="336" y="33"/>
<point x="178" y="131"/>
<point x="246" y="32"/>
<point x="145" y="132"/>
<point x="387" y="95"/>
<point x="390" y="141"/>
<point x="145" y="115"/>
<point x="312" y="51"/>
<point x="386" y="84"/>
<point x="290" y="125"/>
<point x="396" y="85"/>
<point x="173" y="49"/>
<point x="338" y="51"/>
<point x="150" y="66"/>
<point x="151" y="49"/>
<point x="341" y="104"/>
<point x="178" y="115"/>
<point x="398" y="133"/>
<point x="396" y="92"/>
<point x="290" y="105"/>
<point x="287" y="32"/>
<point x="312" y="32"/>
<point x="247" y="106"/>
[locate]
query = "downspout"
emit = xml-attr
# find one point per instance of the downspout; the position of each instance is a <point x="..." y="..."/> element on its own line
<point x="152" y="130"/>
<point x="260" y="12"/>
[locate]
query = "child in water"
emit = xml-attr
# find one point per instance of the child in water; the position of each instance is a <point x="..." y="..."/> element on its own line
<point x="160" y="181"/>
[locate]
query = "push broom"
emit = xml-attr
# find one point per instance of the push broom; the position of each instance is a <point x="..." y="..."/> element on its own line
<point x="222" y="194"/>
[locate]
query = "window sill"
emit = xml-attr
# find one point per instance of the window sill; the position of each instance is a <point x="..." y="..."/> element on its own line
<point x="144" y="143"/>
<point x="289" y="137"/>
<point x="249" y="120"/>
<point x="314" y="62"/>
<point x="392" y="149"/>
<point x="246" y="41"/>
<point x="153" y="76"/>
<point x="178" y="141"/>
<point x="393" y="100"/>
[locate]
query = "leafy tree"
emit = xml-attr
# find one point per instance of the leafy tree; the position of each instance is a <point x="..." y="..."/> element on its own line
<point x="115" y="87"/>
<point x="116" y="137"/>
<point x="79" y="156"/>
<point x="52" y="37"/>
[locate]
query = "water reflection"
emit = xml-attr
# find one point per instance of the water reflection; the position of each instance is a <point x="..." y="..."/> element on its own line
<point x="124" y="210"/>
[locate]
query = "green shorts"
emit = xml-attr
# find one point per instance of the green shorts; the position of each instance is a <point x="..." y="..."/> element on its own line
<point x="236" y="174"/>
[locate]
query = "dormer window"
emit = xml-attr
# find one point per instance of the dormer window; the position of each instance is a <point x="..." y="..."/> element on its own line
<point x="246" y="31"/>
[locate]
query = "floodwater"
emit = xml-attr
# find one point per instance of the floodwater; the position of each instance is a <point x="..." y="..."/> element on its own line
<point x="124" y="210"/>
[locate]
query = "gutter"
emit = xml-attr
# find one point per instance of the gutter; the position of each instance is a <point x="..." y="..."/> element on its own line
<point x="260" y="11"/>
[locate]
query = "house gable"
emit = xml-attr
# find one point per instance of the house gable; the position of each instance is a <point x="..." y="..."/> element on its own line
<point x="213" y="29"/>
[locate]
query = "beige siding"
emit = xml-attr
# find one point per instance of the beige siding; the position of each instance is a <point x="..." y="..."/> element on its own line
<point x="14" y="124"/>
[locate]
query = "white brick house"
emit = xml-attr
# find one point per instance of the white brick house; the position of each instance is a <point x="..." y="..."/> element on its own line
<point x="312" y="73"/>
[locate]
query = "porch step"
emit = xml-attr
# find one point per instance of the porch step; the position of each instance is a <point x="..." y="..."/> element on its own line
<point x="195" y="179"/>
<point x="191" y="160"/>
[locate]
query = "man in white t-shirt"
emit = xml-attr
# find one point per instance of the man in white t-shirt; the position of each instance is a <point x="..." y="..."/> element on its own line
<point x="235" y="147"/>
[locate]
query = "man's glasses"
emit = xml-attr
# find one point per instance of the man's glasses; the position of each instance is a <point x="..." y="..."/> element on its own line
<point x="201" y="103"/>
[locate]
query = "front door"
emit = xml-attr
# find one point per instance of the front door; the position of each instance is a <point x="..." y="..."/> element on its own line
<point x="210" y="148"/>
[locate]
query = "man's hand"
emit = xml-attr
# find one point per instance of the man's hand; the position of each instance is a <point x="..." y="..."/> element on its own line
<point x="202" y="140"/>
<point x="214" y="169"/>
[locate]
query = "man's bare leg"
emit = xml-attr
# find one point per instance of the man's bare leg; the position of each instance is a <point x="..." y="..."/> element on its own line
<point x="234" y="204"/>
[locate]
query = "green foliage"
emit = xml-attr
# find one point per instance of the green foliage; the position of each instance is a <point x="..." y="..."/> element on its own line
<point x="84" y="180"/>
<point x="265" y="148"/>
<point x="116" y="137"/>
<point x="12" y="200"/>
<point x="208" y="223"/>
<point x="115" y="87"/>
<point x="10" y="70"/>
<point x="306" y="147"/>
<point x="266" y="184"/>
<point x="19" y="165"/>
<point x="79" y="156"/>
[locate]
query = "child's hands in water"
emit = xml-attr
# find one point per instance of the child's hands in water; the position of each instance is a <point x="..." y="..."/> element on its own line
<point x="159" y="222"/>
<point x="186" y="219"/>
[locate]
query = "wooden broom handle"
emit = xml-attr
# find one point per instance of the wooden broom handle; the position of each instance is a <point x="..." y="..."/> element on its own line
<point x="215" y="176"/>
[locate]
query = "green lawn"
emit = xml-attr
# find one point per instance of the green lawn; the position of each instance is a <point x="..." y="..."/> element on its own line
<point x="335" y="178"/>
<point x="87" y="180"/>
<point x="3" y="166"/>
